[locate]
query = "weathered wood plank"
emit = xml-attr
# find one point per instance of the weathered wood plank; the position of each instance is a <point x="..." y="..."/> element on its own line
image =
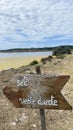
<point x="37" y="91"/>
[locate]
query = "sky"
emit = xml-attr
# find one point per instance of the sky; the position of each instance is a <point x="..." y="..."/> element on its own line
<point x="35" y="23"/>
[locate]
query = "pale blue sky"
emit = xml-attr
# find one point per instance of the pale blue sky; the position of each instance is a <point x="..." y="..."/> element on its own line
<point x="33" y="23"/>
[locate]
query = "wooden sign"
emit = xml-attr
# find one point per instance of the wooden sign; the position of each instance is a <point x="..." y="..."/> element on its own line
<point x="37" y="91"/>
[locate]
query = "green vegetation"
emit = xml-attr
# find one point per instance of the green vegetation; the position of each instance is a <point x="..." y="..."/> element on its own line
<point x="60" y="56"/>
<point x="44" y="60"/>
<point x="62" y="50"/>
<point x="28" y="49"/>
<point x="34" y="62"/>
<point x="36" y="49"/>
<point x="49" y="58"/>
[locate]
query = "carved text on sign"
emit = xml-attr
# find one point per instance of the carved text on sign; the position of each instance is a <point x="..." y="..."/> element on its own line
<point x="22" y="82"/>
<point x="52" y="101"/>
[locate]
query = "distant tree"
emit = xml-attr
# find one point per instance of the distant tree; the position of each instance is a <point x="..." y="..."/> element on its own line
<point x="62" y="50"/>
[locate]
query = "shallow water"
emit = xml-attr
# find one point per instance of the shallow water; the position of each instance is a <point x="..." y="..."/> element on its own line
<point x="21" y="54"/>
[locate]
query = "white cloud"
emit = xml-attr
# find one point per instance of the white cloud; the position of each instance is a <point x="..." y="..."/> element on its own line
<point x="35" y="20"/>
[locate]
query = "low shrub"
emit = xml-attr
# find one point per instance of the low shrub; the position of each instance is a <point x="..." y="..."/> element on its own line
<point x="60" y="56"/>
<point x="49" y="58"/>
<point x="43" y="60"/>
<point x="34" y="62"/>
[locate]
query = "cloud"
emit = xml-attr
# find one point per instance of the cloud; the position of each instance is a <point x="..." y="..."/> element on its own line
<point x="36" y="21"/>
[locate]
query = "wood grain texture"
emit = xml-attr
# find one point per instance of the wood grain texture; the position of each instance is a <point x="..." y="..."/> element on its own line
<point x="39" y="87"/>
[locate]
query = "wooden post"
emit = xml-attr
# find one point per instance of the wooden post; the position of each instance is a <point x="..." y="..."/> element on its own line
<point x="42" y="115"/>
<point x="42" y="111"/>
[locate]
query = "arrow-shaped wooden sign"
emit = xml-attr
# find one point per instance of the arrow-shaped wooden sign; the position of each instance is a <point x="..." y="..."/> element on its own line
<point x="37" y="91"/>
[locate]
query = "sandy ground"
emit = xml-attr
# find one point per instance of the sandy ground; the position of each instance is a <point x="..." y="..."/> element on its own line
<point x="6" y="63"/>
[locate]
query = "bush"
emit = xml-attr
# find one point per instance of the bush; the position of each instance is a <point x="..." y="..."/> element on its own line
<point x="34" y="62"/>
<point x="62" y="50"/>
<point x="60" y="56"/>
<point x="43" y="60"/>
<point x="49" y="58"/>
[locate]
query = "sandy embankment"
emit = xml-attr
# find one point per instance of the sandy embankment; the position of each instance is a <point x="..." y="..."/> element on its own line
<point x="15" y="62"/>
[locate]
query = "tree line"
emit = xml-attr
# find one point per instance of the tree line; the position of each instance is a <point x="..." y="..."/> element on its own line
<point x="62" y="49"/>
